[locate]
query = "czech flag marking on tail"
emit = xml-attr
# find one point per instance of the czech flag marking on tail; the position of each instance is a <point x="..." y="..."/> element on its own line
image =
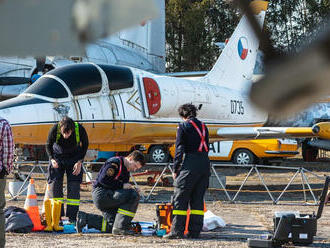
<point x="242" y="48"/>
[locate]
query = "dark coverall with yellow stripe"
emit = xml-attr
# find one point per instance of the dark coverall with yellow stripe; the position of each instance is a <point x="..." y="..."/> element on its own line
<point x="192" y="165"/>
<point x="118" y="205"/>
<point x="66" y="152"/>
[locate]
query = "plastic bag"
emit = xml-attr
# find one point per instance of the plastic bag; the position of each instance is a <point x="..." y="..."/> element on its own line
<point x="211" y="221"/>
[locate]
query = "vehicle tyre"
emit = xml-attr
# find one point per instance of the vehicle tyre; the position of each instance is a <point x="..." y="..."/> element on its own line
<point x="243" y="156"/>
<point x="158" y="154"/>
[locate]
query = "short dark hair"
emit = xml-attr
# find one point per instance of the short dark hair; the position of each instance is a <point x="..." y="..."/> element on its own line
<point x="187" y="110"/>
<point x="67" y="124"/>
<point x="137" y="156"/>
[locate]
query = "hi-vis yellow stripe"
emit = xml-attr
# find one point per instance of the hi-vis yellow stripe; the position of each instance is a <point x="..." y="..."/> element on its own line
<point x="59" y="199"/>
<point x="179" y="212"/>
<point x="73" y="202"/>
<point x="125" y="212"/>
<point x="104" y="225"/>
<point x="197" y="212"/>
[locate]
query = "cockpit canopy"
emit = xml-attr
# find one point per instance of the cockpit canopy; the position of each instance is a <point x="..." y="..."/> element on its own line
<point x="81" y="79"/>
<point x="118" y="77"/>
<point x="47" y="87"/>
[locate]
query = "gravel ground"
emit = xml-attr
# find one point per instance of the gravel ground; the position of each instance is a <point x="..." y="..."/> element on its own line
<point x="250" y="216"/>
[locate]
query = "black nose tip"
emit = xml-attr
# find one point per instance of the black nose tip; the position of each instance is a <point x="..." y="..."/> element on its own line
<point x="316" y="129"/>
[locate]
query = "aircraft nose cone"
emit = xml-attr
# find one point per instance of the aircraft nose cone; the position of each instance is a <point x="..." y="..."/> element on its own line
<point x="316" y="129"/>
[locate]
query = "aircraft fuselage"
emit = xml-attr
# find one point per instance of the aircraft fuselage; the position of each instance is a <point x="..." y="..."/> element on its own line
<point x="121" y="105"/>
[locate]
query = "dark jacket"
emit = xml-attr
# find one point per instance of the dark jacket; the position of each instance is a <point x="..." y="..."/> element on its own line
<point x="188" y="141"/>
<point x="68" y="146"/>
<point x="113" y="174"/>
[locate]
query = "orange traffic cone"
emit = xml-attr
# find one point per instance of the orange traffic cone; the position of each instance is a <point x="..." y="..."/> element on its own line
<point x="188" y="217"/>
<point x="31" y="207"/>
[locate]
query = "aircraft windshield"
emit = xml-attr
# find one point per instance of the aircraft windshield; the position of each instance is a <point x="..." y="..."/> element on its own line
<point x="118" y="77"/>
<point x="49" y="87"/>
<point x="81" y="79"/>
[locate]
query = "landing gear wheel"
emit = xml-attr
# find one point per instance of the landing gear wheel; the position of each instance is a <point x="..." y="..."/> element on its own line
<point x="243" y="156"/>
<point x="158" y="154"/>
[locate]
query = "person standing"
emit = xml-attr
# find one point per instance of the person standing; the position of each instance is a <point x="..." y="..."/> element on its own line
<point x="191" y="174"/>
<point x="114" y="196"/>
<point x="66" y="147"/>
<point x="6" y="166"/>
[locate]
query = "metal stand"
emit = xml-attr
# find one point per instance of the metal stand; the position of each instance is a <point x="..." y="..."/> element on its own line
<point x="34" y="165"/>
<point x="85" y="170"/>
<point x="299" y="170"/>
<point x="144" y="197"/>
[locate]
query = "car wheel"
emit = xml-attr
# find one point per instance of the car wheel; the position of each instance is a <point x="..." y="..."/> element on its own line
<point x="243" y="156"/>
<point x="158" y="154"/>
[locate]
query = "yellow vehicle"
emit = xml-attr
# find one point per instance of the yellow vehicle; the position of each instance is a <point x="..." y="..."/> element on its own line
<point x="238" y="151"/>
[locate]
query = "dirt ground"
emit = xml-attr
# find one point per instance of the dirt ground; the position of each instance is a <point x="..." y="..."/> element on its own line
<point x="249" y="216"/>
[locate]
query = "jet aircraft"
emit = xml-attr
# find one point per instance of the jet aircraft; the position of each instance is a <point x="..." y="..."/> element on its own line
<point x="123" y="105"/>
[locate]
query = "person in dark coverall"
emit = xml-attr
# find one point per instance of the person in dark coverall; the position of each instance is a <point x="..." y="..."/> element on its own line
<point x="191" y="174"/>
<point x="114" y="196"/>
<point x="66" y="147"/>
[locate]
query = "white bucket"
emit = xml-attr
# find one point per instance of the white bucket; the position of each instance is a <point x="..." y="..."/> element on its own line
<point x="91" y="176"/>
<point x="15" y="186"/>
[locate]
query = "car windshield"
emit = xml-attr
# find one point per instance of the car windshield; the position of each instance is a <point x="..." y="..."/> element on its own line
<point x="81" y="79"/>
<point x="49" y="87"/>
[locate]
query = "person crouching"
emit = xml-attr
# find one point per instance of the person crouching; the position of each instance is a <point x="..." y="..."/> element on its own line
<point x="114" y="196"/>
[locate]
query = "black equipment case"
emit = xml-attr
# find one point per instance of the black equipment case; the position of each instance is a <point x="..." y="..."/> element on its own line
<point x="299" y="228"/>
<point x="293" y="227"/>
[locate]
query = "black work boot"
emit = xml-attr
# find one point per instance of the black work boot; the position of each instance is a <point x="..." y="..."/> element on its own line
<point x="192" y="235"/>
<point x="173" y="236"/>
<point x="93" y="221"/>
<point x="119" y="231"/>
<point x="123" y="225"/>
<point x="81" y="221"/>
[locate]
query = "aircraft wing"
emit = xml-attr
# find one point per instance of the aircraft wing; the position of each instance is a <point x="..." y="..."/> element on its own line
<point x="320" y="130"/>
<point x="62" y="27"/>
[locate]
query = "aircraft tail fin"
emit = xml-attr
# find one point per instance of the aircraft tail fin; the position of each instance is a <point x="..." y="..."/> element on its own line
<point x="236" y="63"/>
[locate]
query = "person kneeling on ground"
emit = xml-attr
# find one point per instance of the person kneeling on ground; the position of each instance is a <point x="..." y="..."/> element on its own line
<point x="114" y="196"/>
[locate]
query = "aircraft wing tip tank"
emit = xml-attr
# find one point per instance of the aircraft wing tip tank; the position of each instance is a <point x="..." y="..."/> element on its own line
<point x="322" y="130"/>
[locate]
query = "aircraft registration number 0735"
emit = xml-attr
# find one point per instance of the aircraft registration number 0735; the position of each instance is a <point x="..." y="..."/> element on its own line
<point x="236" y="107"/>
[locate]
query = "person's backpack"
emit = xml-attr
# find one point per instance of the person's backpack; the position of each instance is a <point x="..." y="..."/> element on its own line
<point x="17" y="220"/>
